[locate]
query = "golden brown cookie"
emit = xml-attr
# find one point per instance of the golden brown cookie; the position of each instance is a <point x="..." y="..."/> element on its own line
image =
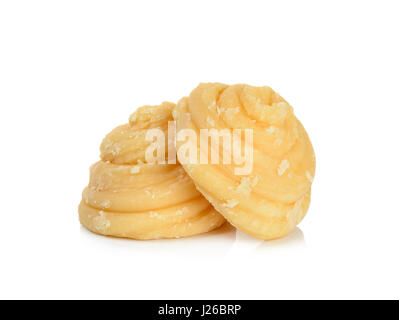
<point x="128" y="197"/>
<point x="271" y="198"/>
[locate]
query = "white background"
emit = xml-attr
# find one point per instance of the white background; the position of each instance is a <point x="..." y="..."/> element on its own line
<point x="70" y="71"/>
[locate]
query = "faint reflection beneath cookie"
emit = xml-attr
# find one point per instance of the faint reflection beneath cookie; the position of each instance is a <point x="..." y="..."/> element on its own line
<point x="294" y="239"/>
<point x="215" y="243"/>
<point x="245" y="244"/>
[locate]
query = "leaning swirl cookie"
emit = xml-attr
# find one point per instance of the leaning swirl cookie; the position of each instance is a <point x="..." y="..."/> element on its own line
<point x="272" y="197"/>
<point x="128" y="197"/>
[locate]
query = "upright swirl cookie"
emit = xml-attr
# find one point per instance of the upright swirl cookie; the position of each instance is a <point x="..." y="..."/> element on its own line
<point x="271" y="199"/>
<point x="128" y="197"/>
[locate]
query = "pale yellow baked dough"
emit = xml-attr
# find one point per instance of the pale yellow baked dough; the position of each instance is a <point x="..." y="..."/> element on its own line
<point x="127" y="197"/>
<point x="270" y="201"/>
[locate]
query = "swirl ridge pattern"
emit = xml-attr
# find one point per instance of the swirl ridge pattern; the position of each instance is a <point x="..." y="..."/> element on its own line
<point x="270" y="201"/>
<point x="127" y="197"/>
